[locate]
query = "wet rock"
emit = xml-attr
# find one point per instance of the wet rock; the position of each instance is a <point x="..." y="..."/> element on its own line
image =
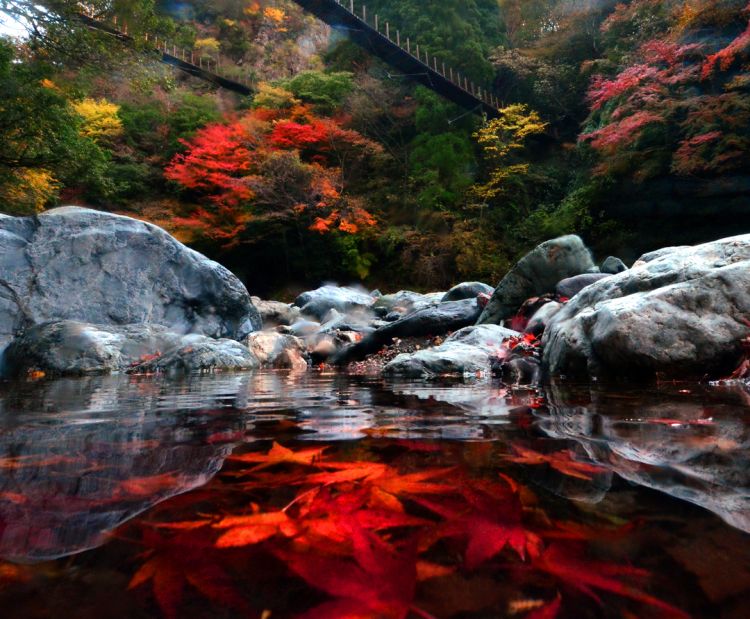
<point x="468" y="351"/>
<point x="571" y="286"/>
<point x="403" y="302"/>
<point x="199" y="353"/>
<point x="79" y="264"/>
<point x="317" y="303"/>
<point x="359" y="321"/>
<point x="679" y="311"/>
<point x="433" y="320"/>
<point x="613" y="266"/>
<point x="277" y="350"/>
<point x="66" y="347"/>
<point x="274" y="313"/>
<point x="537" y="273"/>
<point x="467" y="290"/>
<point x="301" y="328"/>
<point x="542" y="317"/>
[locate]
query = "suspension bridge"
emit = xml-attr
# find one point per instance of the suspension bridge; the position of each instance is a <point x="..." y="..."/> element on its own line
<point x="376" y="37"/>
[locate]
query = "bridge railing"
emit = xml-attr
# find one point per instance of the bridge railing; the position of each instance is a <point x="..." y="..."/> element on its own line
<point x="430" y="62"/>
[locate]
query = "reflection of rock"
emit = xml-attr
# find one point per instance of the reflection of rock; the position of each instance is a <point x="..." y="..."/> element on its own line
<point x="82" y="456"/>
<point x="670" y="446"/>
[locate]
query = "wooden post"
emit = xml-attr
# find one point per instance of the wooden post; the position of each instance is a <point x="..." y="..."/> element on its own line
<point x="443" y="69"/>
<point x="466" y="83"/>
<point x="434" y="63"/>
<point x="364" y="13"/>
<point x="408" y="45"/>
<point x="376" y="22"/>
<point x="398" y="38"/>
<point x="388" y="31"/>
<point x="418" y="55"/>
<point x="351" y="6"/>
<point x="451" y="71"/>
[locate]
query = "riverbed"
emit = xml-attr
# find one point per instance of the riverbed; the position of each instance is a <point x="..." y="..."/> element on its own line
<point x="278" y="494"/>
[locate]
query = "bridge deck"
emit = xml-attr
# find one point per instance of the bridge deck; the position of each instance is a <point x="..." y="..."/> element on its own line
<point x="402" y="55"/>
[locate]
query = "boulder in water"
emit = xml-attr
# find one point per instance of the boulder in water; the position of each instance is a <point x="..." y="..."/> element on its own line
<point x="317" y="303"/>
<point x="681" y="312"/>
<point x="469" y="351"/>
<point x="67" y="347"/>
<point x="277" y="350"/>
<point x="536" y="274"/>
<point x="94" y="267"/>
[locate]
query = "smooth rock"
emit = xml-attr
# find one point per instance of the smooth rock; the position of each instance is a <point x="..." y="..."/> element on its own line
<point x="276" y="350"/>
<point x="468" y="351"/>
<point x="79" y="264"/>
<point x="274" y="313"/>
<point x="433" y="320"/>
<point x="467" y="290"/>
<point x="613" y="266"/>
<point x="66" y="347"/>
<point x="542" y="317"/>
<point x="403" y="302"/>
<point x="200" y="353"/>
<point x="317" y="303"/>
<point x="571" y="286"/>
<point x="681" y="312"/>
<point x="537" y="273"/>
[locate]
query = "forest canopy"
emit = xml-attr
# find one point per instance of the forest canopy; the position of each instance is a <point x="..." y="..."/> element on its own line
<point x="624" y="122"/>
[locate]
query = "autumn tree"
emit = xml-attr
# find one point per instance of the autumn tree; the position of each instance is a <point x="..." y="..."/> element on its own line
<point x="273" y="164"/>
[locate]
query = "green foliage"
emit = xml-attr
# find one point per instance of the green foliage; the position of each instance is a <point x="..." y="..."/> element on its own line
<point x="326" y="91"/>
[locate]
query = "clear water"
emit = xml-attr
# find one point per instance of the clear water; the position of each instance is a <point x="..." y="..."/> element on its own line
<point x="648" y="489"/>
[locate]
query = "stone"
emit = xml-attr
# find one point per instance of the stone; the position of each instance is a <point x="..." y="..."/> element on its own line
<point x="680" y="312"/>
<point x="613" y="266"/>
<point x="275" y="313"/>
<point x="301" y="328"/>
<point x="277" y="350"/>
<point x="433" y="320"/>
<point x="571" y="286"/>
<point x="469" y="351"/>
<point x="467" y="290"/>
<point x="95" y="267"/>
<point x="536" y="274"/>
<point x="317" y="303"/>
<point x="67" y="347"/>
<point x="402" y="302"/>
<point x="542" y="317"/>
<point x="199" y="354"/>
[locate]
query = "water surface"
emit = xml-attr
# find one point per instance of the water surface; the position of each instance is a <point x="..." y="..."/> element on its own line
<point x="115" y="494"/>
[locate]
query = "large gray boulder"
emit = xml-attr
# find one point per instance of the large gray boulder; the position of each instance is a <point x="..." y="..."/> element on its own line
<point x="79" y="264"/>
<point x="679" y="311"/>
<point x="275" y="313"/>
<point x="68" y="347"/>
<point x="537" y="273"/>
<point x="405" y="301"/>
<point x="469" y="351"/>
<point x="278" y="350"/>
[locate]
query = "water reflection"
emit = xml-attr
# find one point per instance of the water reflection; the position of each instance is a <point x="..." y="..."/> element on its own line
<point x="691" y="444"/>
<point x="78" y="457"/>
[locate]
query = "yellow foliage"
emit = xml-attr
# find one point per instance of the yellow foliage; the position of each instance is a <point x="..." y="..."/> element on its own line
<point x="274" y="97"/>
<point x="273" y="14"/>
<point x="499" y="139"/>
<point x="100" y="119"/>
<point x="207" y="46"/>
<point x="28" y="190"/>
<point x="48" y="83"/>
